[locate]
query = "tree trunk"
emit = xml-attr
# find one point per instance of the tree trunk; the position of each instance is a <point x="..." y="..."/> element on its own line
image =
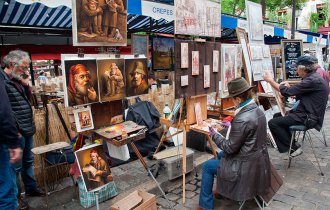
<point x="263" y="6"/>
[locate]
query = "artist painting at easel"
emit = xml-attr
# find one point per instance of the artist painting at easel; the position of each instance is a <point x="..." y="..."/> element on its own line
<point x="243" y="167"/>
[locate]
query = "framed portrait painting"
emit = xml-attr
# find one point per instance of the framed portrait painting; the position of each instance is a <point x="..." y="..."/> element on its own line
<point x="195" y="62"/>
<point x="228" y="66"/>
<point x="111" y="79"/>
<point x="184" y="55"/>
<point x="255" y="22"/>
<point x="140" y="45"/>
<point x="162" y="53"/>
<point x="80" y="82"/>
<point x="94" y="167"/>
<point x="83" y="119"/>
<point x="136" y="76"/>
<point x="92" y="26"/>
<point x="207" y="75"/>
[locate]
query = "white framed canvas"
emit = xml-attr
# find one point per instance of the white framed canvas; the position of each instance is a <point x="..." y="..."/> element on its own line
<point x="215" y="60"/>
<point x="266" y="51"/>
<point x="93" y="166"/>
<point x="83" y="119"/>
<point x="184" y="55"/>
<point x="197" y="17"/>
<point x="256" y="52"/>
<point x="255" y="22"/>
<point x="207" y="76"/>
<point x="198" y="113"/>
<point x="195" y="63"/>
<point x="228" y="65"/>
<point x="257" y="70"/>
<point x="184" y="80"/>
<point x="239" y="61"/>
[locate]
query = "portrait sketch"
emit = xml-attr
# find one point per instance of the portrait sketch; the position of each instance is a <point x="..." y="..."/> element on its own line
<point x="207" y="76"/>
<point x="239" y="61"/>
<point x="257" y="70"/>
<point x="93" y="167"/>
<point x="80" y="81"/>
<point x="162" y="53"/>
<point x="255" y="22"/>
<point x="256" y="52"/>
<point x="198" y="113"/>
<point x="136" y="76"/>
<point x="266" y="51"/>
<point x="99" y="22"/>
<point x="184" y="80"/>
<point x="195" y="63"/>
<point x="83" y="119"/>
<point x="215" y="61"/>
<point x="228" y="65"/>
<point x="184" y="55"/>
<point x="111" y="79"/>
<point x="197" y="17"/>
<point x="140" y="45"/>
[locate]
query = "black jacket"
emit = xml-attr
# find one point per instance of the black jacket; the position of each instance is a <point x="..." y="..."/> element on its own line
<point x="20" y="105"/>
<point x="8" y="128"/>
<point x="244" y="171"/>
<point x="312" y="92"/>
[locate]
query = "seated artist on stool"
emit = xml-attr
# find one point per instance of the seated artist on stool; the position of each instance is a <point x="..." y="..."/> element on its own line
<point x="312" y="92"/>
<point x="243" y="167"/>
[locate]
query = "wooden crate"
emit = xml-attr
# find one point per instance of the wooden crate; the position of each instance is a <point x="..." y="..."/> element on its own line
<point x="137" y="200"/>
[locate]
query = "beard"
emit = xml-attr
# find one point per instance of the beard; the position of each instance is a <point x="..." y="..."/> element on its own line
<point x="135" y="83"/>
<point x="16" y="76"/>
<point x="81" y="89"/>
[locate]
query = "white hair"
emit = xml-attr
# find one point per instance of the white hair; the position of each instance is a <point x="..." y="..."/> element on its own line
<point x="17" y="57"/>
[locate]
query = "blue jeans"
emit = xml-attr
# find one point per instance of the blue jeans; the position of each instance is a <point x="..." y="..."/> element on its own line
<point x="209" y="170"/>
<point x="8" y="189"/>
<point x="25" y="166"/>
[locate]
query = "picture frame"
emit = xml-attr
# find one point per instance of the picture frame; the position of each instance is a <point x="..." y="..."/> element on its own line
<point x="215" y="60"/>
<point x="256" y="52"/>
<point x="140" y="45"/>
<point x="291" y="50"/>
<point x="195" y="63"/>
<point x="91" y="160"/>
<point x="184" y="55"/>
<point x="136" y="76"/>
<point x="83" y="118"/>
<point x="257" y="70"/>
<point x="162" y="53"/>
<point x="184" y="80"/>
<point x="207" y="75"/>
<point x="228" y="66"/>
<point x="255" y="22"/>
<point x="266" y="51"/>
<point x="85" y="33"/>
<point x="243" y="40"/>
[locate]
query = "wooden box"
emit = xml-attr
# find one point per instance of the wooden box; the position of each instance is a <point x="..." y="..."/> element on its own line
<point x="137" y="200"/>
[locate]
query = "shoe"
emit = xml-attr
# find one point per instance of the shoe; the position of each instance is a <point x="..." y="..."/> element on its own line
<point x="35" y="192"/>
<point x="217" y="195"/>
<point x="22" y="205"/>
<point x="297" y="152"/>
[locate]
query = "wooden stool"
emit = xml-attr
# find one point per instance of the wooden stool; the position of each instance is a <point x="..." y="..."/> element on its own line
<point x="42" y="150"/>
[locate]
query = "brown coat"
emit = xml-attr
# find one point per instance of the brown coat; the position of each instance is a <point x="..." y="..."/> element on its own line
<point x="244" y="171"/>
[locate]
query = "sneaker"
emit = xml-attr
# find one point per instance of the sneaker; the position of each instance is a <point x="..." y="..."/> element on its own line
<point x="22" y="205"/>
<point x="35" y="192"/>
<point x="297" y="152"/>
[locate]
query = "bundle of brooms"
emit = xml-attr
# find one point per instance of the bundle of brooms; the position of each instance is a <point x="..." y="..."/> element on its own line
<point x="56" y="134"/>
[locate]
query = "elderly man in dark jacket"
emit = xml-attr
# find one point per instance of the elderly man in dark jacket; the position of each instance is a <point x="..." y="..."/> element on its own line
<point x="312" y="92"/>
<point x="243" y="166"/>
<point x="10" y="152"/>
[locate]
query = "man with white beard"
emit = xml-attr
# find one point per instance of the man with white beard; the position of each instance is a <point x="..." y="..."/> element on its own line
<point x="80" y="90"/>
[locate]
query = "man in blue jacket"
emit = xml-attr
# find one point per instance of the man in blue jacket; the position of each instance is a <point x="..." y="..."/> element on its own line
<point x="10" y="152"/>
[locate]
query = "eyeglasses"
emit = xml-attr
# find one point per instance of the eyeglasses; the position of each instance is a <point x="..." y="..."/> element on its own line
<point x="24" y="68"/>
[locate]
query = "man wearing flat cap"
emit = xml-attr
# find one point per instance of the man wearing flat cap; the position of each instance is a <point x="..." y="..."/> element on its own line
<point x="243" y="167"/>
<point x="312" y="92"/>
<point x="139" y="82"/>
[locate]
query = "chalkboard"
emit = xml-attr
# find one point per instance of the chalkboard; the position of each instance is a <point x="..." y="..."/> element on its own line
<point x="291" y="50"/>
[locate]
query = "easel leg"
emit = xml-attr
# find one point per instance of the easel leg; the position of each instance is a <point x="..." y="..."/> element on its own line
<point x="138" y="154"/>
<point x="161" y="141"/>
<point x="44" y="178"/>
<point x="97" y="200"/>
<point x="214" y="152"/>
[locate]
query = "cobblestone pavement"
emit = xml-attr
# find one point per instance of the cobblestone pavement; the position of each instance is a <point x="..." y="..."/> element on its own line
<point x="303" y="188"/>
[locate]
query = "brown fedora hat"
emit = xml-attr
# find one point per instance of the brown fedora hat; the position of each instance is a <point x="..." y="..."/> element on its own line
<point x="238" y="86"/>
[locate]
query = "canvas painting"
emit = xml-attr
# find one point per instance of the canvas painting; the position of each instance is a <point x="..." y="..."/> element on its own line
<point x="111" y="79"/>
<point x="162" y="53"/>
<point x="242" y="38"/>
<point x="140" y="45"/>
<point x="267" y="66"/>
<point x="207" y="76"/>
<point x="93" y="167"/>
<point x="99" y="23"/>
<point x="257" y="70"/>
<point x="255" y="22"/>
<point x="184" y="80"/>
<point x="195" y="63"/>
<point x="136" y="76"/>
<point x="239" y="61"/>
<point x="198" y="17"/>
<point x="80" y="82"/>
<point x="184" y="55"/>
<point x="83" y="119"/>
<point x="256" y="52"/>
<point x="198" y="114"/>
<point x="267" y="87"/>
<point x="228" y="65"/>
<point x="215" y="60"/>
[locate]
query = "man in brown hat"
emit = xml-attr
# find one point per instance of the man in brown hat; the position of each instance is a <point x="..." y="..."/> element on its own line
<point x="243" y="167"/>
<point x="139" y="81"/>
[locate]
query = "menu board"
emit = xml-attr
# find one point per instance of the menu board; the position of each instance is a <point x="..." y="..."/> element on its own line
<point x="291" y="50"/>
